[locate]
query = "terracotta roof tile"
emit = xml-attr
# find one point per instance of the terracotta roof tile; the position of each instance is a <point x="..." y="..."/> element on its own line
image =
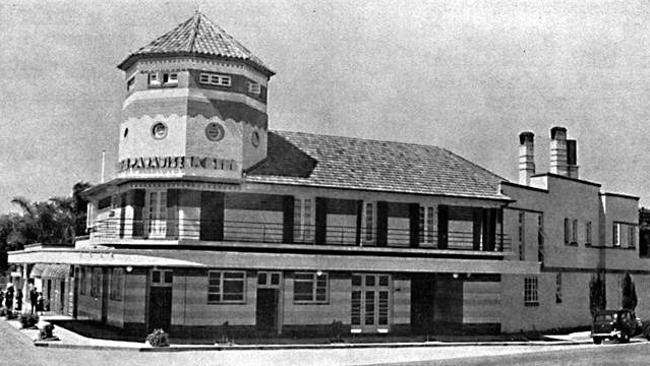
<point x="199" y="36"/>
<point x="343" y="162"/>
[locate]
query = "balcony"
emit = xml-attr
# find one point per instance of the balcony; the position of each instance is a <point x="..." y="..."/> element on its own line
<point x="115" y="231"/>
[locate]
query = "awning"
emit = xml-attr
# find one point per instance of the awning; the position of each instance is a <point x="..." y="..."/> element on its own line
<point x="280" y="261"/>
<point x="37" y="270"/>
<point x="43" y="270"/>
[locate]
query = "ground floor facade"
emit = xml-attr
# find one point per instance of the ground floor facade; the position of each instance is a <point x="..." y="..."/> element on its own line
<point x="221" y="294"/>
<point x="216" y="303"/>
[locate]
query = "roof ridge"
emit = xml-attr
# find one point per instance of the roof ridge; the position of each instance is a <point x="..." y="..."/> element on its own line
<point x="196" y="30"/>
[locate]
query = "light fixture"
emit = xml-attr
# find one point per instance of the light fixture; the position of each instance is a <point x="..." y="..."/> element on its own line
<point x="455" y="275"/>
<point x="129" y="269"/>
<point x="319" y="273"/>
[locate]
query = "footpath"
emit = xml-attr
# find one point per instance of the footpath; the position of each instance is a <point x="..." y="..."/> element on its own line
<point x="70" y="339"/>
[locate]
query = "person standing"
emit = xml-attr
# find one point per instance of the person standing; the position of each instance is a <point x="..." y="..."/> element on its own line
<point x="9" y="297"/>
<point x="33" y="299"/>
<point x="19" y="300"/>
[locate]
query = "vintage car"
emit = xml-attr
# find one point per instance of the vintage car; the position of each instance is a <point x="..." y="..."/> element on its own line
<point x="620" y="325"/>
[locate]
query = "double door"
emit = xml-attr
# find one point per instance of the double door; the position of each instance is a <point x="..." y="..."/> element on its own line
<point x="371" y="303"/>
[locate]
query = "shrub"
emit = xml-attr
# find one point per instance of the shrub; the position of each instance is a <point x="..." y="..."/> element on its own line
<point x="158" y="338"/>
<point x="46" y="332"/>
<point x="28" y="320"/>
<point x="11" y="315"/>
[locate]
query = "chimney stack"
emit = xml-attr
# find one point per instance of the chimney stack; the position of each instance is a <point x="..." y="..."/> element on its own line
<point x="526" y="157"/>
<point x="572" y="159"/>
<point x="559" y="164"/>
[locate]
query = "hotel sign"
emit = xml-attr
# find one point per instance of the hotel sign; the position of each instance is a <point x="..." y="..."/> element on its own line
<point x="177" y="162"/>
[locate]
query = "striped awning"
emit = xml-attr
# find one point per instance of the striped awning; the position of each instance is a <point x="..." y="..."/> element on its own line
<point x="44" y="270"/>
<point x="37" y="270"/>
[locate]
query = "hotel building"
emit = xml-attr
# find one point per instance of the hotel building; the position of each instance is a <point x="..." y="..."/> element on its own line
<point x="215" y="223"/>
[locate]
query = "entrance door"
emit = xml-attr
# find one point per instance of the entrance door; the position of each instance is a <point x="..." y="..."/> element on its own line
<point x="160" y="300"/>
<point x="266" y="315"/>
<point x="370" y="311"/>
<point x="422" y="303"/>
<point x="268" y="302"/>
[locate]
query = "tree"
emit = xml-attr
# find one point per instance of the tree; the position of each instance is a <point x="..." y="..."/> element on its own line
<point x="79" y="207"/>
<point x="597" y="295"/>
<point x="629" y="300"/>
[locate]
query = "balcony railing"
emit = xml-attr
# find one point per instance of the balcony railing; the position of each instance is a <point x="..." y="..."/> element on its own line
<point x="113" y="229"/>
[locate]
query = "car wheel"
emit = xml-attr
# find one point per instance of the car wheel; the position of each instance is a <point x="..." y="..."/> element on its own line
<point x="598" y="340"/>
<point x="624" y="338"/>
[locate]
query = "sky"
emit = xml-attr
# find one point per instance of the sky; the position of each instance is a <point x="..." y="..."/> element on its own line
<point x="468" y="76"/>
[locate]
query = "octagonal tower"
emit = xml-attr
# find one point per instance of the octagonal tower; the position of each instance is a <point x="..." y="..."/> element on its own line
<point x="195" y="106"/>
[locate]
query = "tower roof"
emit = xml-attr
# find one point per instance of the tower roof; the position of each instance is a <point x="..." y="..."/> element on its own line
<point x="197" y="36"/>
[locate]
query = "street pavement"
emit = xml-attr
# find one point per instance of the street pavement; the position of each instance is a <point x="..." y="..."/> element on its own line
<point x="16" y="348"/>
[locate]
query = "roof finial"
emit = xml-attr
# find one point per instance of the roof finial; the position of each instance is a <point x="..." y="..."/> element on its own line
<point x="197" y="8"/>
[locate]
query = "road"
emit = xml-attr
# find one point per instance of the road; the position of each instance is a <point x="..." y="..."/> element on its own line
<point x="614" y="355"/>
<point x="17" y="349"/>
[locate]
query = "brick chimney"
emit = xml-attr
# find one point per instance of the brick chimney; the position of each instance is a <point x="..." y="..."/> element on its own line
<point x="526" y="157"/>
<point x="559" y="151"/>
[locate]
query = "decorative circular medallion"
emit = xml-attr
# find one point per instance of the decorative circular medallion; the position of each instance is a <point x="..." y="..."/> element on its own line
<point x="255" y="139"/>
<point x="214" y="131"/>
<point x="159" y="131"/>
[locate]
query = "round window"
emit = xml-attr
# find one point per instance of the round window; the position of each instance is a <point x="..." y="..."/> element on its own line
<point x="159" y="130"/>
<point x="255" y="139"/>
<point x="214" y="131"/>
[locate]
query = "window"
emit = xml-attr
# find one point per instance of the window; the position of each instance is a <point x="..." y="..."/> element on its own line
<point x="130" y="84"/>
<point x="163" y="79"/>
<point x="574" y="232"/>
<point x="156" y="223"/>
<point x="254" y="88"/>
<point x="631" y="236"/>
<point x="588" y="233"/>
<point x="426" y="225"/>
<point x="153" y="79"/>
<point x="616" y="239"/>
<point x="226" y="287"/>
<point x="558" y="288"/>
<point x="96" y="282"/>
<point x="310" y="288"/>
<point x="117" y="284"/>
<point x="530" y="291"/>
<point x="566" y="231"/>
<point x="170" y="78"/>
<point x="303" y="216"/>
<point x="215" y="79"/>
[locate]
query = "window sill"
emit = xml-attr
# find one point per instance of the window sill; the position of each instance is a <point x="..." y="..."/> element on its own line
<point x="531" y="304"/>
<point x="611" y="247"/>
<point x="227" y="303"/>
<point x="310" y="303"/>
<point x="571" y="244"/>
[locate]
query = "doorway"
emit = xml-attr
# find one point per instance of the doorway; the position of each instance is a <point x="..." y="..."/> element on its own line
<point x="371" y="303"/>
<point x="160" y="300"/>
<point x="267" y="310"/>
<point x="423" y="292"/>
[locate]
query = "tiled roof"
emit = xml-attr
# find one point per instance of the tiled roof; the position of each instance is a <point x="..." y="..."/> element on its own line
<point x="299" y="158"/>
<point x="197" y="36"/>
